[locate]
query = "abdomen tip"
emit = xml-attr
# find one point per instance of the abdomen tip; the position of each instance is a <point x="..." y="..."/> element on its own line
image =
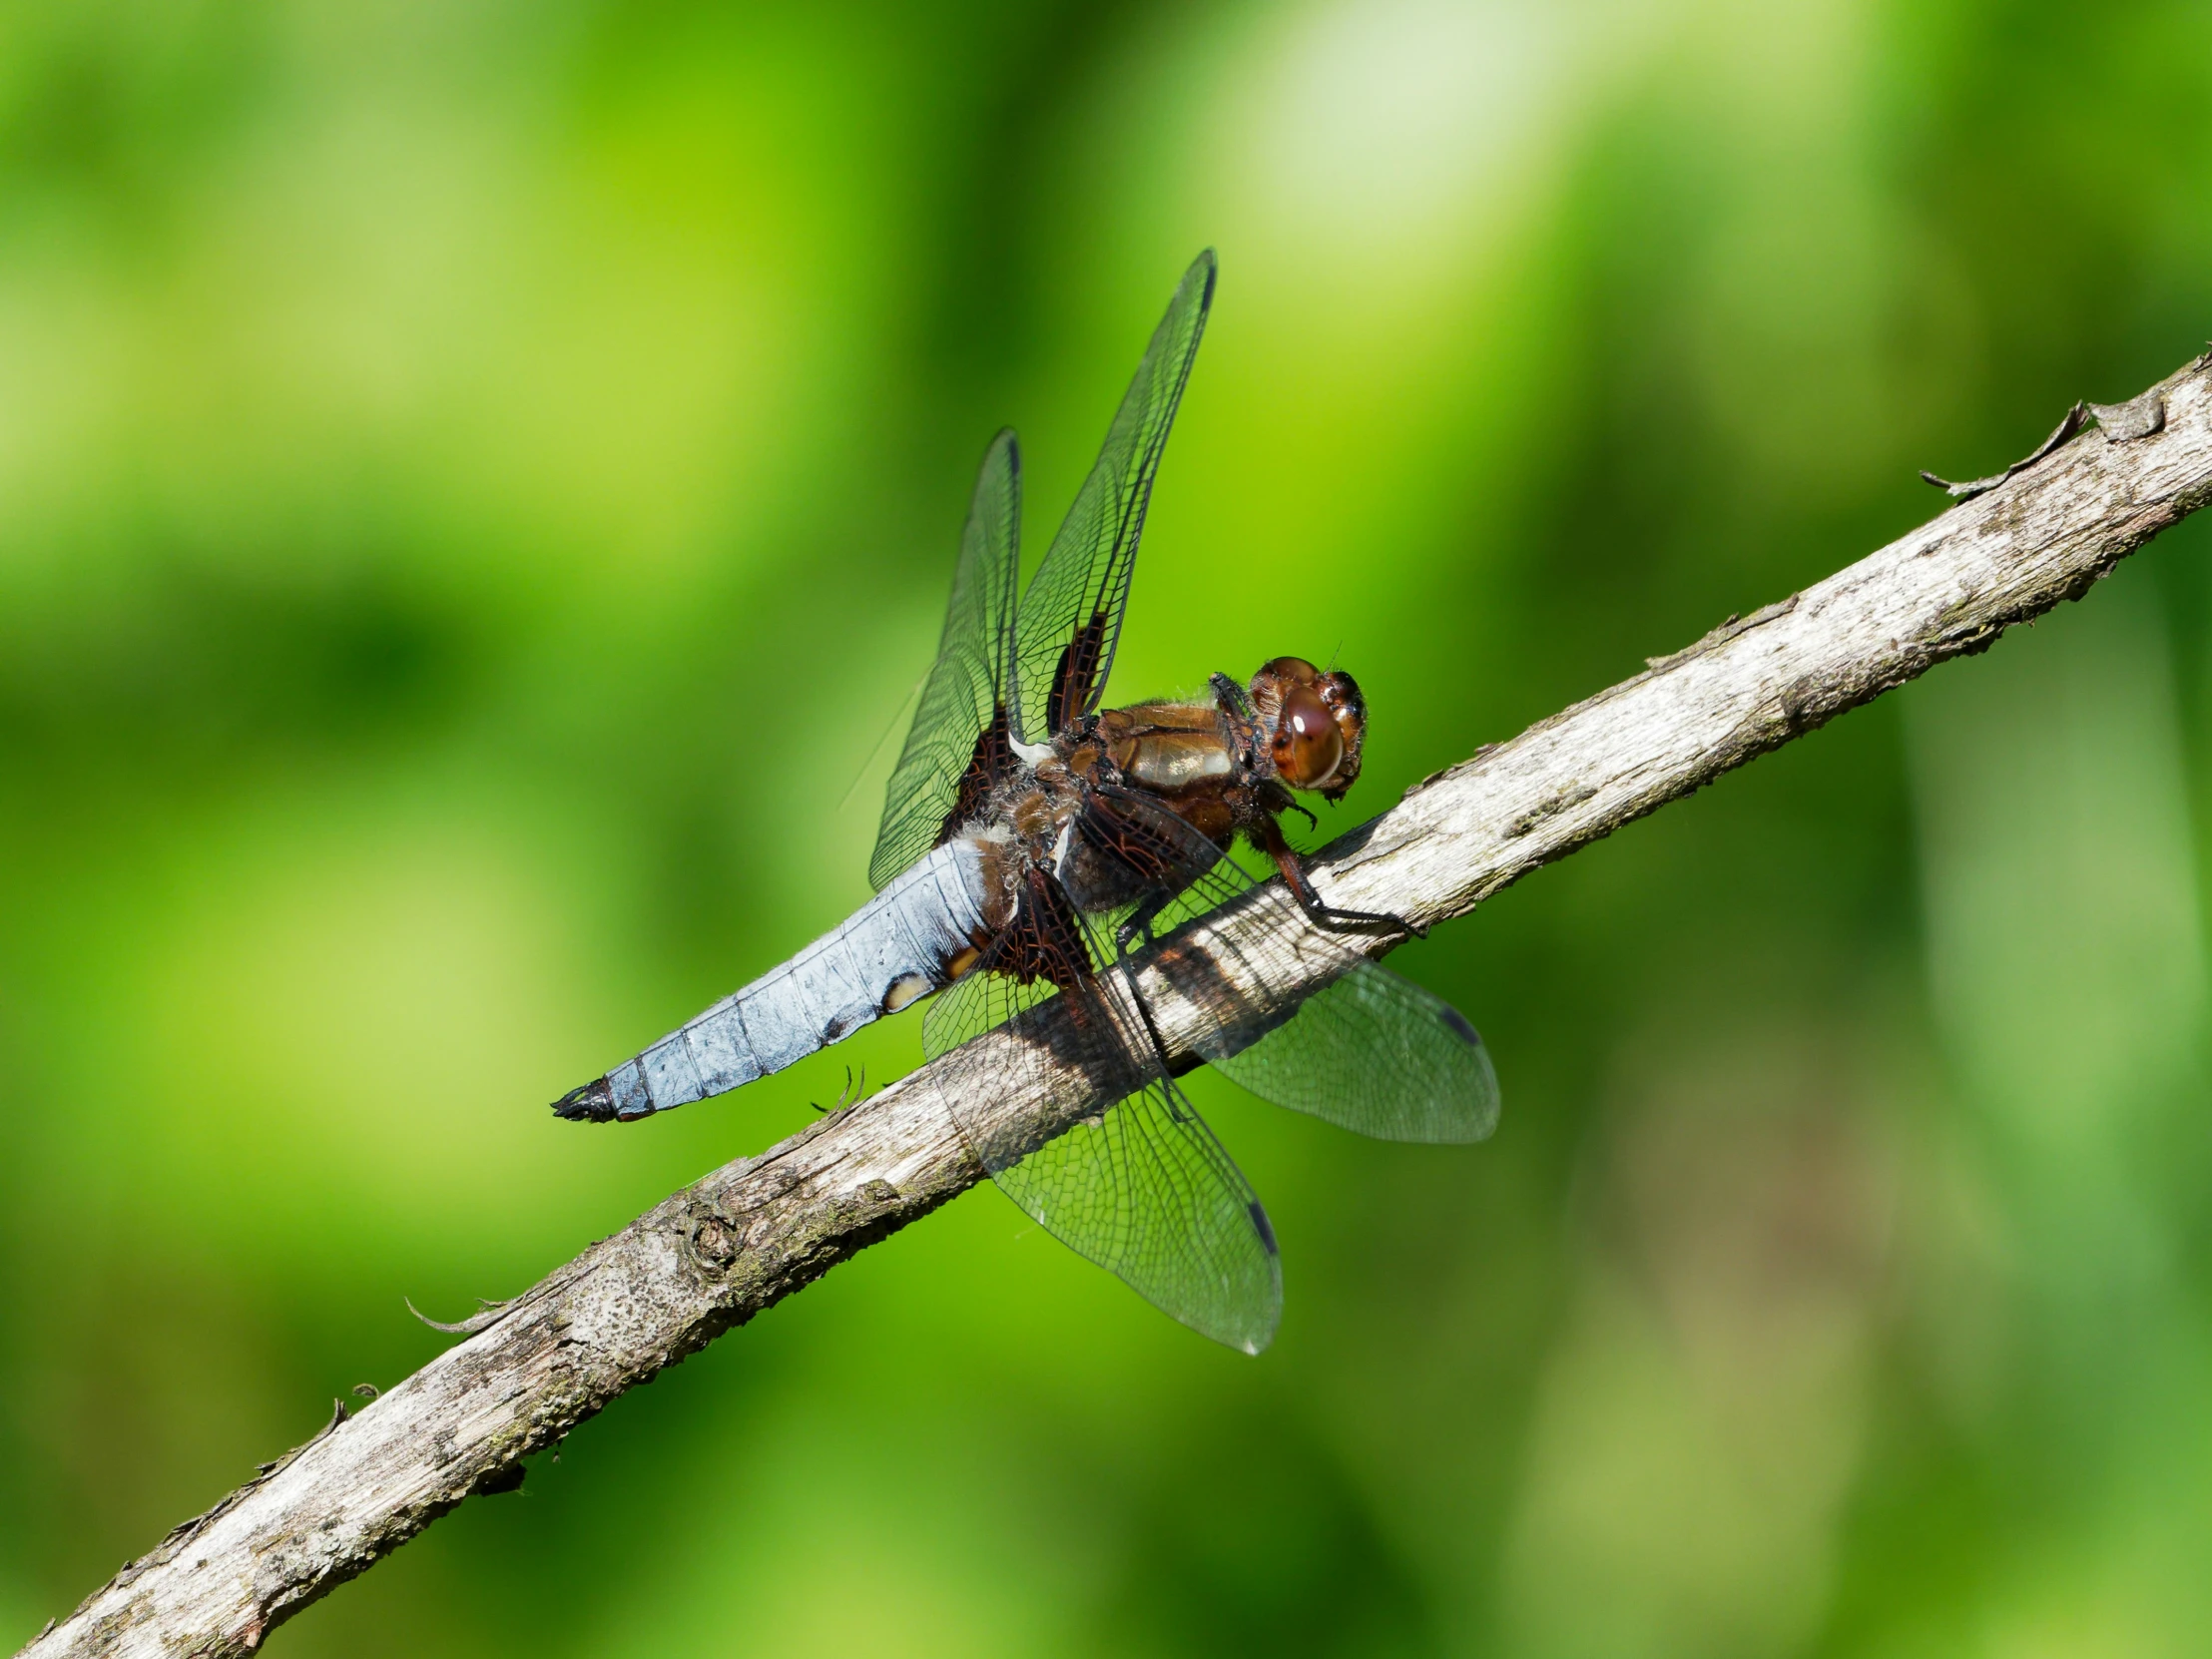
<point x="593" y="1103"/>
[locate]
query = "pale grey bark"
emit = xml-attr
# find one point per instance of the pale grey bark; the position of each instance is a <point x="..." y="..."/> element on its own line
<point x="752" y="1231"/>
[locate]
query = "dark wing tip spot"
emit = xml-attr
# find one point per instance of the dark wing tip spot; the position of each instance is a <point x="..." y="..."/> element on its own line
<point x="593" y="1103"/>
<point x="1458" y="1022"/>
<point x="1212" y="262"/>
<point x="1262" y="1226"/>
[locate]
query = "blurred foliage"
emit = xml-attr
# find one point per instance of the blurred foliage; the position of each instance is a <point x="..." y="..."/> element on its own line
<point x="477" y="479"/>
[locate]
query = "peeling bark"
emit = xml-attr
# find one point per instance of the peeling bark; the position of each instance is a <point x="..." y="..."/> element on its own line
<point x="754" y="1231"/>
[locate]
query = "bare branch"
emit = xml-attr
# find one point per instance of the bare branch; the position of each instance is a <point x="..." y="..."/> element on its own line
<point x="754" y="1231"/>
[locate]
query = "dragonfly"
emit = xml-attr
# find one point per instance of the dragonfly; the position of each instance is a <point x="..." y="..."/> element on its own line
<point x="1033" y="845"/>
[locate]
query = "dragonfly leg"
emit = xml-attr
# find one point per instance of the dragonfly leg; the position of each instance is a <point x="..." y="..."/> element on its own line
<point x="1327" y="916"/>
<point x="847" y="1096"/>
<point x="1140" y="921"/>
<point x="1237" y="713"/>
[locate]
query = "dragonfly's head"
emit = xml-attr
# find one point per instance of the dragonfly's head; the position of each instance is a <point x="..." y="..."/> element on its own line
<point x="1314" y="723"/>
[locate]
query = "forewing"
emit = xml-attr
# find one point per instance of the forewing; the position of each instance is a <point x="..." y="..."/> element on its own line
<point x="1378" y="1055"/>
<point x="958" y="745"/>
<point x="1071" y="615"/>
<point x="1140" y="1186"/>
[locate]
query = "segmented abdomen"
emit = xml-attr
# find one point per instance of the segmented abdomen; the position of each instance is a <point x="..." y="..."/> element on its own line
<point x="889" y="952"/>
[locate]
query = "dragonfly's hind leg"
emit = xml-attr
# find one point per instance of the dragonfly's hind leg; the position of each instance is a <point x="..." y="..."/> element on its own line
<point x="1140" y="921"/>
<point x="849" y="1095"/>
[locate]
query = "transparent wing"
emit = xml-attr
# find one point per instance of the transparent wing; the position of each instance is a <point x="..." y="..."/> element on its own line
<point x="1141" y="1187"/>
<point x="1148" y="1192"/>
<point x="1378" y="1055"/>
<point x="958" y="745"/>
<point x="1071" y="615"/>
<point x="1369" y="1052"/>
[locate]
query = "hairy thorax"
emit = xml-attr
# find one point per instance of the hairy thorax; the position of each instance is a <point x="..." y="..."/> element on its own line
<point x="1030" y="827"/>
<point x="1022" y="831"/>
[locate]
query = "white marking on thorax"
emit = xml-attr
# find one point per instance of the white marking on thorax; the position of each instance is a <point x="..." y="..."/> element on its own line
<point x="1061" y="848"/>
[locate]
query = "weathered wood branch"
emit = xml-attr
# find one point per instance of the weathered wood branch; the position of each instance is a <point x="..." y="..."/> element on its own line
<point x="754" y="1231"/>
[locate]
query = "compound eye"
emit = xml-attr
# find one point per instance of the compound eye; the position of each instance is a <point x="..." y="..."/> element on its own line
<point x="1309" y="746"/>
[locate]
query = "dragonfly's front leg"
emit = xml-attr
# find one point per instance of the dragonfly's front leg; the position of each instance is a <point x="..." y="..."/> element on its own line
<point x="1320" y="915"/>
<point x="1239" y="724"/>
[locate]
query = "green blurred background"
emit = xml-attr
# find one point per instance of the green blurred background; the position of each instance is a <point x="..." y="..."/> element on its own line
<point x="477" y="480"/>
